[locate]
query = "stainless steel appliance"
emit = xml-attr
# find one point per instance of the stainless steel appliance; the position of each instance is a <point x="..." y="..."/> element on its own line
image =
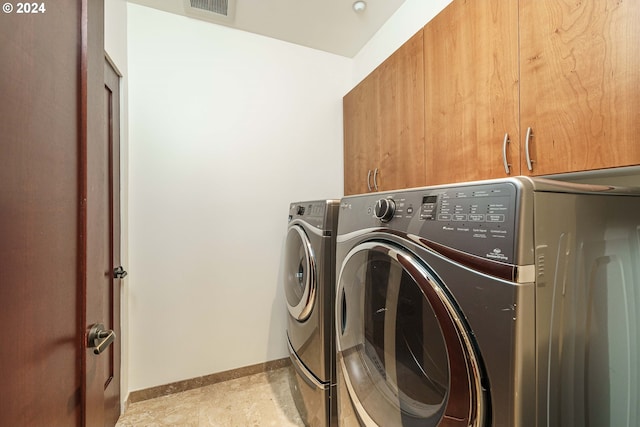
<point x="309" y="286"/>
<point x="511" y="302"/>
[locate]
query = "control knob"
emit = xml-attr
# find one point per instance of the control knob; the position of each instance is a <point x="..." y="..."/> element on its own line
<point x="384" y="209"/>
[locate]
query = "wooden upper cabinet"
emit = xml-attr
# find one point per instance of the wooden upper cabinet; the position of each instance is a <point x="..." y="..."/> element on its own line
<point x="471" y="87"/>
<point x="492" y="69"/>
<point x="402" y="118"/>
<point x="384" y="125"/>
<point x="580" y="84"/>
<point x="361" y="111"/>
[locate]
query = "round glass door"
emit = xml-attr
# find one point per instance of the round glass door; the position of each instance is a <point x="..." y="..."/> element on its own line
<point x="404" y="350"/>
<point x="300" y="274"/>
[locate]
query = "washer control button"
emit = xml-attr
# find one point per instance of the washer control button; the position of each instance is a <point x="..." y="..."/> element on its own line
<point x="384" y="209"/>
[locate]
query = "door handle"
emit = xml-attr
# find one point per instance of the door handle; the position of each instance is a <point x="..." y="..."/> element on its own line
<point x="100" y="338"/>
<point x="504" y="153"/>
<point x="119" y="273"/>
<point x="343" y="317"/>
<point x="526" y="148"/>
<point x="375" y="179"/>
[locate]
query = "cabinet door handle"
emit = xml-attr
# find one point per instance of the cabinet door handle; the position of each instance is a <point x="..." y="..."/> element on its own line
<point x="526" y="149"/>
<point x="504" y="153"/>
<point x="375" y="179"/>
<point x="369" y="179"/>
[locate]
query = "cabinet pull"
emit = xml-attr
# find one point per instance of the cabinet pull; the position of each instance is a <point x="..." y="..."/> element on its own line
<point x="504" y="153"/>
<point x="369" y="179"/>
<point x="375" y="179"/>
<point x="526" y="149"/>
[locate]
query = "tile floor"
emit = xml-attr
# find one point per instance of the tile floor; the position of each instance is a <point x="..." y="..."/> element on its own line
<point x="257" y="400"/>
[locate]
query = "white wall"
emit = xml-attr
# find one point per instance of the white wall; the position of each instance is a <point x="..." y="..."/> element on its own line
<point x="226" y="128"/>
<point x="115" y="42"/>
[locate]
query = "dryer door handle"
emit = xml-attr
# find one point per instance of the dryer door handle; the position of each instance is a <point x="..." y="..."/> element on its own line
<point x="343" y="312"/>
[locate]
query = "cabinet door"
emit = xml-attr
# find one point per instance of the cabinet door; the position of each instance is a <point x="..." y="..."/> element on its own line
<point x="580" y="84"/>
<point x="471" y="86"/>
<point x="361" y="121"/>
<point x="401" y="80"/>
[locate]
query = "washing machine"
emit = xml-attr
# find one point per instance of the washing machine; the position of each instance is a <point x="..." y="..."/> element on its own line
<point x="309" y="288"/>
<point x="512" y="302"/>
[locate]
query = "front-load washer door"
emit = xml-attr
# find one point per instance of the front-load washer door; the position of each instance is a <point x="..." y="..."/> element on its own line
<point x="404" y="350"/>
<point x="300" y="281"/>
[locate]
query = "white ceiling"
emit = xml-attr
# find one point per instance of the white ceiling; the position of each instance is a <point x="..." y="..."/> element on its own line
<point x="328" y="25"/>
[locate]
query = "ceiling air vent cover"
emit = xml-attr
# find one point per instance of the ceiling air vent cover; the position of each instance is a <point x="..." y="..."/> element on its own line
<point x="216" y="6"/>
<point x="215" y="10"/>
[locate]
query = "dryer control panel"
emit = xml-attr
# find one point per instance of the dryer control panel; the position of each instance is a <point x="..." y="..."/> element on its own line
<point x="477" y="219"/>
<point x="320" y="214"/>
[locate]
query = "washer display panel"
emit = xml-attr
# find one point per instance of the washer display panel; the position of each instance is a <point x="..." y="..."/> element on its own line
<point x="405" y="355"/>
<point x="300" y="274"/>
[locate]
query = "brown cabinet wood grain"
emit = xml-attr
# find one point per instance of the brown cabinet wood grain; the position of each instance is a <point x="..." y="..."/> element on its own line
<point x="361" y="110"/>
<point x="471" y="85"/>
<point x="531" y="87"/>
<point x="402" y="117"/>
<point x="384" y="125"/>
<point x="580" y="84"/>
<point x="570" y="71"/>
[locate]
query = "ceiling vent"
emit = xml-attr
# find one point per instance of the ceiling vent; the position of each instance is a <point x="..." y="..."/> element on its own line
<point x="214" y="10"/>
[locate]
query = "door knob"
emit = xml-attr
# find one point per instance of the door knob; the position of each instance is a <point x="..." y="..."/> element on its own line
<point x="99" y="338"/>
<point x="119" y="273"/>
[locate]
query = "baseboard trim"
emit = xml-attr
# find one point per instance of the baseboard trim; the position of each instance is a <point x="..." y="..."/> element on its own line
<point x="184" y="385"/>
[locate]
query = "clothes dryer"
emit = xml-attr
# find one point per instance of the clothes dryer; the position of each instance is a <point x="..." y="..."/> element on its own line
<point x="512" y="302"/>
<point x="309" y="287"/>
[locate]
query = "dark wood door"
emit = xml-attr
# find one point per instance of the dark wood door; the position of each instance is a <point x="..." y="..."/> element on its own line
<point x="111" y="292"/>
<point x="39" y="215"/>
<point x="101" y="302"/>
<point x="50" y="120"/>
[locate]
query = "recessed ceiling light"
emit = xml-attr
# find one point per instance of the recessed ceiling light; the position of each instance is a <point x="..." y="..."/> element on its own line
<point x="359" y="6"/>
